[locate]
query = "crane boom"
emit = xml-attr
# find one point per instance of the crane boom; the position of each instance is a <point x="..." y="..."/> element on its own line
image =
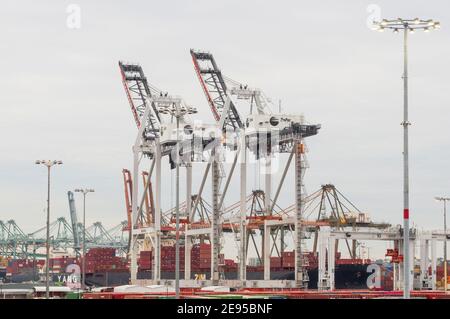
<point x="138" y="91"/>
<point x="74" y="220"/>
<point x="215" y="89"/>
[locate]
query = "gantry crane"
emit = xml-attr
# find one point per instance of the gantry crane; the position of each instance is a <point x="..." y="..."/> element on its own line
<point x="148" y="121"/>
<point x="13" y="241"/>
<point x="263" y="134"/>
<point x="335" y="210"/>
<point x="15" y="244"/>
<point x="228" y="119"/>
<point x="155" y="139"/>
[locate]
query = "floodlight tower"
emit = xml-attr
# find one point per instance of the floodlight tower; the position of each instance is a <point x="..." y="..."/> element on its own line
<point x="408" y="26"/>
<point x="84" y="191"/>
<point x="48" y="164"/>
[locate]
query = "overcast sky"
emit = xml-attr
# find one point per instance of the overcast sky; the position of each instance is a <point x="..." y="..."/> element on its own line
<point x="62" y="96"/>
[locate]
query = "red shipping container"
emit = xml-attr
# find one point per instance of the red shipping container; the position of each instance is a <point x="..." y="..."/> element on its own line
<point x="275" y="262"/>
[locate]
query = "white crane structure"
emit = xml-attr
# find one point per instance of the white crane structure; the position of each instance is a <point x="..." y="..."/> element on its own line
<point x="255" y="133"/>
<point x="262" y="134"/>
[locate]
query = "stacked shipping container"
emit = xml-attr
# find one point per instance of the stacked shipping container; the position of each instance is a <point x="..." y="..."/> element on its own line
<point x="104" y="259"/>
<point x="145" y="260"/>
<point x="24" y="265"/>
<point x="200" y="258"/>
<point x="59" y="264"/>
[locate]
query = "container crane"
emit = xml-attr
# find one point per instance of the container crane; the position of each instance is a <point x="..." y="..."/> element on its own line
<point x="155" y="139"/>
<point x="259" y="136"/>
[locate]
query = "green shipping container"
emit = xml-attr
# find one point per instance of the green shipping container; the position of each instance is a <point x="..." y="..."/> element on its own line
<point x="74" y="295"/>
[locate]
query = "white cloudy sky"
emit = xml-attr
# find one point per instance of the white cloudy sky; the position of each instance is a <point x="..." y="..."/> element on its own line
<point x="62" y="97"/>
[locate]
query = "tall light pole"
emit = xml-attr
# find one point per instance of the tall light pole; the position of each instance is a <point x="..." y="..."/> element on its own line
<point x="445" y="200"/>
<point x="408" y="26"/>
<point x="48" y="164"/>
<point x="84" y="191"/>
<point x="177" y="111"/>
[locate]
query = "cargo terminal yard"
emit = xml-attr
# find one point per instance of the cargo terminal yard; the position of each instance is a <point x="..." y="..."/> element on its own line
<point x="140" y="254"/>
<point x="215" y="200"/>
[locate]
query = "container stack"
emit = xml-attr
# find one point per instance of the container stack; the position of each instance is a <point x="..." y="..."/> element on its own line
<point x="201" y="257"/>
<point x="288" y="259"/>
<point x="352" y="261"/>
<point x="387" y="278"/>
<point x="312" y="260"/>
<point x="230" y="264"/>
<point x="103" y="259"/>
<point x="275" y="262"/>
<point x="440" y="278"/>
<point x="59" y="264"/>
<point x="145" y="260"/>
<point x="23" y="265"/>
<point x="168" y="258"/>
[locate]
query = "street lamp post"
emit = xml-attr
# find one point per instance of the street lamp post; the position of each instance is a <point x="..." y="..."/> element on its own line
<point x="408" y="26"/>
<point x="84" y="191"/>
<point x="445" y="200"/>
<point x="177" y="111"/>
<point x="48" y="164"/>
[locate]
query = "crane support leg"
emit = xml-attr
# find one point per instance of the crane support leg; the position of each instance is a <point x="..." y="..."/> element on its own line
<point x="243" y="214"/>
<point x="433" y="264"/>
<point x="187" y="240"/>
<point x="298" y="214"/>
<point x="331" y="261"/>
<point x="157" y="246"/>
<point x="266" y="254"/>
<point x="215" y="239"/>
